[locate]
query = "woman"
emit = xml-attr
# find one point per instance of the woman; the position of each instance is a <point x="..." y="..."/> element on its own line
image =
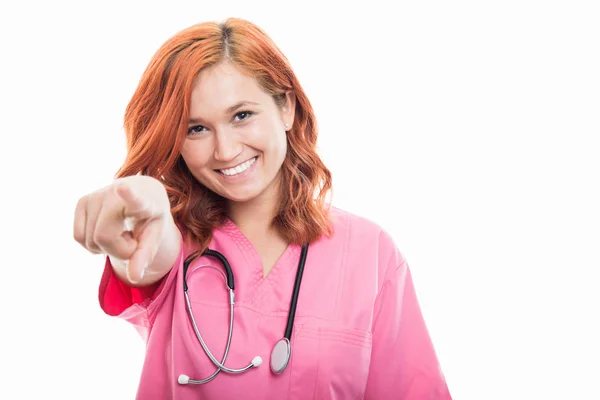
<point x="222" y="156"/>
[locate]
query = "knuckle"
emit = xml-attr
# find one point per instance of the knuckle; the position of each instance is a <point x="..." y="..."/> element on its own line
<point x="90" y="246"/>
<point x="103" y="238"/>
<point x="78" y="236"/>
<point x="84" y="199"/>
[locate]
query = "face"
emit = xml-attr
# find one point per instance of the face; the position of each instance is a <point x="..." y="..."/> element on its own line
<point x="236" y="141"/>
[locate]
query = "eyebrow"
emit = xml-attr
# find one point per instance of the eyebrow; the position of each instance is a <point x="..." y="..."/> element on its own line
<point x="229" y="110"/>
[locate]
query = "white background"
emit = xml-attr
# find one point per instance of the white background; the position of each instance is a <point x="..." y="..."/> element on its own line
<point x="467" y="129"/>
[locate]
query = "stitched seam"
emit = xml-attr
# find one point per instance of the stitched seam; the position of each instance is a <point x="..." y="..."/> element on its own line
<point x="343" y="267"/>
<point x="250" y="307"/>
<point x="359" y="342"/>
<point x="345" y="331"/>
<point x="318" y="367"/>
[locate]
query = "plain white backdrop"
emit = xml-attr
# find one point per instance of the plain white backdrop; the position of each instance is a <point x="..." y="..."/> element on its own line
<point x="469" y="130"/>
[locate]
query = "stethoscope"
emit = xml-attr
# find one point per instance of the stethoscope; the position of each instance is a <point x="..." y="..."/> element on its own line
<point x="282" y="351"/>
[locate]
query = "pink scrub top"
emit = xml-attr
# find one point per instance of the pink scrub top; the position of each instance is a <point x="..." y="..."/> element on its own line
<point x="358" y="332"/>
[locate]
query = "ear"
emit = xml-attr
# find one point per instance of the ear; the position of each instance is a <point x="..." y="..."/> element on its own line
<point x="288" y="111"/>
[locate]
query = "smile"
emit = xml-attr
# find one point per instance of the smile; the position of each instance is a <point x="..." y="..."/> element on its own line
<point x="238" y="169"/>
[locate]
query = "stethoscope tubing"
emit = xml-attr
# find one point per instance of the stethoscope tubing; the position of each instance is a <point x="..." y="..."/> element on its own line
<point x="229" y="278"/>
<point x="203" y="344"/>
<point x="294" y="301"/>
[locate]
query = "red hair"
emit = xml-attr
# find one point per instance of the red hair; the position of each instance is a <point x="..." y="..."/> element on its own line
<point x="156" y="123"/>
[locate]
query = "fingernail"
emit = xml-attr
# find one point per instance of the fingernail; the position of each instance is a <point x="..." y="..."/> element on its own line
<point x="128" y="272"/>
<point x="143" y="270"/>
<point x="142" y="273"/>
<point x="128" y="224"/>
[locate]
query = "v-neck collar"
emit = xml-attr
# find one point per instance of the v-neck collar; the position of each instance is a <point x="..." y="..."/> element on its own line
<point x="285" y="265"/>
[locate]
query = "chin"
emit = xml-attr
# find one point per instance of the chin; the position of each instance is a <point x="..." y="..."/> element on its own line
<point x="240" y="198"/>
<point x="240" y="195"/>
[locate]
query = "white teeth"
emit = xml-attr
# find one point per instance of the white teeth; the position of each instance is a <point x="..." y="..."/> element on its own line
<point x="239" y="169"/>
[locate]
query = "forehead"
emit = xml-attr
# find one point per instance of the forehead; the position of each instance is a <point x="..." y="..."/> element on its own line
<point x="221" y="86"/>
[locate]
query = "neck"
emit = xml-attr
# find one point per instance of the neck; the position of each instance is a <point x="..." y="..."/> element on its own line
<point x="254" y="217"/>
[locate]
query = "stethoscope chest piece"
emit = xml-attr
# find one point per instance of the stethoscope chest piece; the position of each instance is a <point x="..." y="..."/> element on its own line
<point x="280" y="355"/>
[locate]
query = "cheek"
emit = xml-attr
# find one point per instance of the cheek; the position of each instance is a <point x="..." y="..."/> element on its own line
<point x="274" y="140"/>
<point x="280" y="147"/>
<point x="195" y="154"/>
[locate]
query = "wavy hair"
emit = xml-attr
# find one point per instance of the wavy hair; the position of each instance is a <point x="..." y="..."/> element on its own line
<point x="156" y="123"/>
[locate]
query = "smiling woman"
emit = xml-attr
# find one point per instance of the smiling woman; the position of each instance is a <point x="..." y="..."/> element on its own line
<point x="238" y="150"/>
<point x="222" y="172"/>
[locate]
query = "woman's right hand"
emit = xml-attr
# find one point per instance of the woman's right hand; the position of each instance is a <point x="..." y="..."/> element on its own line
<point x="131" y="222"/>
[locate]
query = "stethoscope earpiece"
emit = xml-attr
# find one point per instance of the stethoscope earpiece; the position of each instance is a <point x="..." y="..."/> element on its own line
<point x="257" y="361"/>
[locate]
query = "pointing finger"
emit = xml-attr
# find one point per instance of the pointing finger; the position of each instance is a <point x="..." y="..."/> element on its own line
<point x="135" y="206"/>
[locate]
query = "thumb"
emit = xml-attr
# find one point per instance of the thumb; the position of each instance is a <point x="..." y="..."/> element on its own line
<point x="146" y="250"/>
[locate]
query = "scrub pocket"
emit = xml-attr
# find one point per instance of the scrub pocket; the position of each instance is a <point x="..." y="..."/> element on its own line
<point x="329" y="363"/>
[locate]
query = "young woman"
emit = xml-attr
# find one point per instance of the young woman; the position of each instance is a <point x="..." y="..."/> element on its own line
<point x="223" y="252"/>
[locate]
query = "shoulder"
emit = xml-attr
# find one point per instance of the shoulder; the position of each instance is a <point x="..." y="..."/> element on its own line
<point x="365" y="236"/>
<point x="359" y="227"/>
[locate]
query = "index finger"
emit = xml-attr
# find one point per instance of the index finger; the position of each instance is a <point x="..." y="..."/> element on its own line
<point x="134" y="205"/>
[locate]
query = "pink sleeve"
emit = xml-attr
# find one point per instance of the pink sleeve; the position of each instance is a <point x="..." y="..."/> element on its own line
<point x="403" y="362"/>
<point x="135" y="305"/>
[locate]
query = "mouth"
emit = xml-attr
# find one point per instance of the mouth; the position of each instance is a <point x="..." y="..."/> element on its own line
<point x="238" y="169"/>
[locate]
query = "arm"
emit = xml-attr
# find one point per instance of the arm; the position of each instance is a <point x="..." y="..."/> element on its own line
<point x="403" y="361"/>
<point x="130" y="221"/>
<point x="116" y="295"/>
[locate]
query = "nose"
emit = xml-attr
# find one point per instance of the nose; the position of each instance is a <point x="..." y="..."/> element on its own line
<point x="227" y="147"/>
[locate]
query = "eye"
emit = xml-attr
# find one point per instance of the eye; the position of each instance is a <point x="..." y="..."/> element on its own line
<point x="242" y="115"/>
<point x="194" y="130"/>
